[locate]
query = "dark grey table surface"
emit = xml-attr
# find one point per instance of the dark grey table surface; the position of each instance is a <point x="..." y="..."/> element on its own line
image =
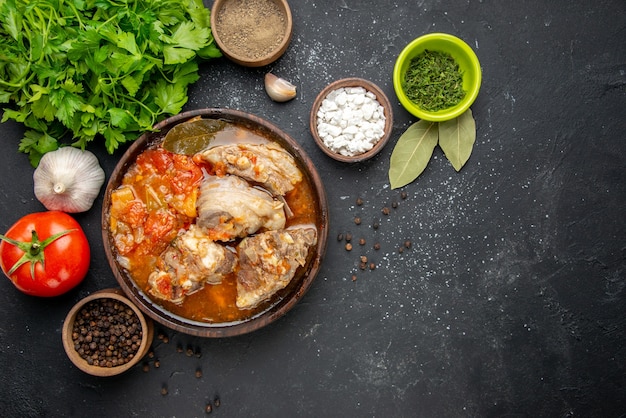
<point x="511" y="300"/>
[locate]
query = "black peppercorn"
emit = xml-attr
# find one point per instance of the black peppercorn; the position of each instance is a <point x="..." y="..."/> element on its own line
<point x="359" y="201"/>
<point x="97" y="333"/>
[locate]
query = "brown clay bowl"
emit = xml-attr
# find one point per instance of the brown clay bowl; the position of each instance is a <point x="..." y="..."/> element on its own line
<point x="231" y="51"/>
<point x="380" y="97"/>
<point x="147" y="327"/>
<point x="298" y="285"/>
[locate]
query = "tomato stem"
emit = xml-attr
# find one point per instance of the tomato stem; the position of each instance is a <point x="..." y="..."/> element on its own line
<point x="33" y="250"/>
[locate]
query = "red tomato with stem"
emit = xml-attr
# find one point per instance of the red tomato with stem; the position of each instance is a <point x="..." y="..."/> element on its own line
<point x="45" y="253"/>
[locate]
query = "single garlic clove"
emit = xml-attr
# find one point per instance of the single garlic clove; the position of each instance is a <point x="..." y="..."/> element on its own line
<point x="279" y="89"/>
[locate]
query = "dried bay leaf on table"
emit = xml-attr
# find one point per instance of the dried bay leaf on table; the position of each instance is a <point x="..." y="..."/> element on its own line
<point x="457" y="137"/>
<point x="412" y="153"/>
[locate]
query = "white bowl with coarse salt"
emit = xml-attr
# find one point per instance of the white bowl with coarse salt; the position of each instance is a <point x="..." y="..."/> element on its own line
<point x="351" y="120"/>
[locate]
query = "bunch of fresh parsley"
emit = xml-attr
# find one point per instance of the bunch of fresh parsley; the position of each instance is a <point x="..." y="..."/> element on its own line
<point x="75" y="70"/>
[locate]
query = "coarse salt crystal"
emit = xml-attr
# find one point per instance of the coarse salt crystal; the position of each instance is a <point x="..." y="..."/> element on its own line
<point x="350" y="120"/>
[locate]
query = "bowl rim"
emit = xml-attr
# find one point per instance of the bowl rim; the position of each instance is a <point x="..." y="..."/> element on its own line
<point x="273" y="312"/>
<point x="147" y="327"/>
<point x="250" y="62"/>
<point x="381" y="97"/>
<point x="444" y="114"/>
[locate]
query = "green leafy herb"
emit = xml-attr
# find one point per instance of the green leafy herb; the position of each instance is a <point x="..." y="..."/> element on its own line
<point x="81" y="69"/>
<point x="415" y="147"/>
<point x="434" y="81"/>
<point x="457" y="137"/>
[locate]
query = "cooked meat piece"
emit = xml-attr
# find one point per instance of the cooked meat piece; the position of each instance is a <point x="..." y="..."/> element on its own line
<point x="190" y="261"/>
<point x="266" y="164"/>
<point x="229" y="208"/>
<point x="268" y="262"/>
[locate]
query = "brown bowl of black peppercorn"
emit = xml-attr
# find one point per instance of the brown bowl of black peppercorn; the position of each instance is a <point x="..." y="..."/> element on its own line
<point x="104" y="334"/>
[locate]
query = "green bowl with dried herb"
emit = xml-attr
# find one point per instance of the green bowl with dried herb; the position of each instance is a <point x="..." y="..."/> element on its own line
<point x="437" y="77"/>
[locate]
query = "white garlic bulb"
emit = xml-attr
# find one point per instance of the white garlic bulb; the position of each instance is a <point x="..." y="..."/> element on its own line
<point x="68" y="179"/>
<point x="279" y="89"/>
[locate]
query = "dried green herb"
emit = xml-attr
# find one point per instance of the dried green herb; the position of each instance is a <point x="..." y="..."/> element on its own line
<point x="457" y="137"/>
<point x="412" y="152"/>
<point x="415" y="147"/>
<point x="434" y="81"/>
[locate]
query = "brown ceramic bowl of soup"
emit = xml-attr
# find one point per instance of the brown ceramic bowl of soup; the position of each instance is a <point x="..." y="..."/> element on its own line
<point x="216" y="223"/>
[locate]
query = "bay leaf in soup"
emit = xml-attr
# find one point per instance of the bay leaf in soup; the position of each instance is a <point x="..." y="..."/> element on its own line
<point x="192" y="136"/>
<point x="457" y="137"/>
<point x="412" y="153"/>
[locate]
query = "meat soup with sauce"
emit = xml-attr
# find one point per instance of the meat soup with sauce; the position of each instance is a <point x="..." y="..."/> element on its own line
<point x="215" y="232"/>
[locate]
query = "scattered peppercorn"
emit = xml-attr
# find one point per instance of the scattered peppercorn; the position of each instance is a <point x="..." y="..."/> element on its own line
<point x="208" y="408"/>
<point x="106" y="333"/>
<point x="348" y="247"/>
<point x="146" y="367"/>
<point x="394" y="204"/>
<point x="217" y="402"/>
<point x="157" y="364"/>
<point x="340" y="237"/>
<point x="363" y="266"/>
<point x="164" y="390"/>
<point x="348" y="237"/>
<point x="375" y="225"/>
<point x="179" y="348"/>
<point x="407" y="244"/>
<point x="400" y="250"/>
<point x="189" y="351"/>
<point x="198" y="352"/>
<point x="357" y="220"/>
<point x="363" y="259"/>
<point x="198" y="373"/>
<point x="166" y="339"/>
<point x="372" y="266"/>
<point x="362" y="241"/>
<point x="354" y="277"/>
<point x="359" y="201"/>
<point x="403" y="195"/>
<point x="377" y="246"/>
<point x="385" y="210"/>
<point x="150" y="354"/>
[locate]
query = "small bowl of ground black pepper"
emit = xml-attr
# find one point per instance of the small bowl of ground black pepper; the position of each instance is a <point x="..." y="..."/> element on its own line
<point x="252" y="33"/>
<point x="104" y="334"/>
<point x="437" y="77"/>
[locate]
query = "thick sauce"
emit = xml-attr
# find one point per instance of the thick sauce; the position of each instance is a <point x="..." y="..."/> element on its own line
<point x="157" y="198"/>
